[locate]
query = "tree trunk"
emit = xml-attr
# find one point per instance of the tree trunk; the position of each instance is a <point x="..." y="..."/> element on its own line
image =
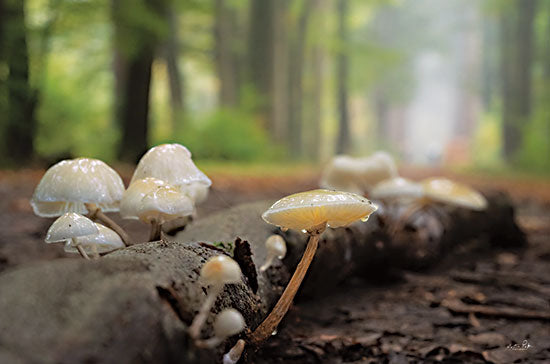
<point x="226" y="54"/>
<point x="281" y="66"/>
<point x="135" y="305"/>
<point x="516" y="59"/>
<point x="260" y="55"/>
<point x="295" y="94"/>
<point x="135" y="47"/>
<point x="343" y="142"/>
<point x="20" y="118"/>
<point x="175" y="77"/>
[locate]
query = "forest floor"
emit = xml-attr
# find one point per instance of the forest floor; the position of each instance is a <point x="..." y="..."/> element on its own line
<point x="491" y="307"/>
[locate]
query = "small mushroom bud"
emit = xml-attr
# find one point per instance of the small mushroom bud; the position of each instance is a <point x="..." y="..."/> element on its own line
<point x="276" y="248"/>
<point x="70" y="226"/>
<point x="105" y="241"/>
<point x="216" y="272"/>
<point x="229" y="322"/>
<point x="234" y="354"/>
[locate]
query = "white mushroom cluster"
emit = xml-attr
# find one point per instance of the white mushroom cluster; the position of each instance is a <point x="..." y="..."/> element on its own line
<point x="166" y="185"/>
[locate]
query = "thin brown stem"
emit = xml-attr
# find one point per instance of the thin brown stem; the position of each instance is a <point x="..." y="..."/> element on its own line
<point x="95" y="213"/>
<point x="269" y="325"/>
<point x="156" y="226"/>
<point x="82" y="252"/>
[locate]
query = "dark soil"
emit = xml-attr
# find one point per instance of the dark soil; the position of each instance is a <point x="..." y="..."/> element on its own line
<point x="483" y="307"/>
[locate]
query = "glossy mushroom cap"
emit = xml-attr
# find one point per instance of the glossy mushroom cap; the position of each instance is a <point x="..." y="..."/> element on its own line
<point x="220" y="270"/>
<point x="68" y="226"/>
<point x="151" y="198"/>
<point x="67" y="185"/>
<point x="449" y="192"/>
<point x="358" y="175"/>
<point x="172" y="163"/>
<point x="397" y="188"/>
<point x="276" y="246"/>
<point x="305" y="210"/>
<point x="104" y="241"/>
<point x="229" y="322"/>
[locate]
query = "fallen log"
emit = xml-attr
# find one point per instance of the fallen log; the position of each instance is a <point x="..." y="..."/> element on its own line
<point x="134" y="305"/>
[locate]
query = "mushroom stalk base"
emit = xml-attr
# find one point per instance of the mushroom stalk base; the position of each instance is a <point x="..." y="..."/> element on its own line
<point x="198" y="321"/>
<point x="156" y="226"/>
<point x="95" y="213"/>
<point x="269" y="325"/>
<point x="82" y="252"/>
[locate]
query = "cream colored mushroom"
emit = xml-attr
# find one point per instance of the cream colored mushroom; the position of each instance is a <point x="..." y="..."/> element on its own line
<point x="104" y="241"/>
<point x="311" y="212"/>
<point x="216" y="272"/>
<point x="70" y="226"/>
<point x="154" y="201"/>
<point x="172" y="163"/>
<point x="82" y="185"/>
<point x="452" y="193"/>
<point x="229" y="322"/>
<point x="276" y="248"/>
<point x="397" y="189"/>
<point x="358" y="175"/>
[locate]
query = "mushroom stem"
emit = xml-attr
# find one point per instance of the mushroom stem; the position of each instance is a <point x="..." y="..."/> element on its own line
<point x="234" y="354"/>
<point x="269" y="325"/>
<point x="95" y="213"/>
<point x="80" y="249"/>
<point x="156" y="226"/>
<point x="267" y="263"/>
<point x="199" y="320"/>
<point x="209" y="343"/>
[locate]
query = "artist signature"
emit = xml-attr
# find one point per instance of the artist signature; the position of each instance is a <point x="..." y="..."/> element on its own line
<point x="523" y="346"/>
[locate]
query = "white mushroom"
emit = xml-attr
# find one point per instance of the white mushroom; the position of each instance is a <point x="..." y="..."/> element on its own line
<point x="311" y="212"/>
<point x="397" y="189"/>
<point x="154" y="201"/>
<point x="216" y="272"/>
<point x="229" y="322"/>
<point x="106" y="240"/>
<point x="70" y="226"/>
<point x="358" y="175"/>
<point x="448" y="192"/>
<point x="82" y="185"/>
<point x="276" y="248"/>
<point x="172" y="163"/>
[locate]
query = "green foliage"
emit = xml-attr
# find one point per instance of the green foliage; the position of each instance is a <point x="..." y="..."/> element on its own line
<point x="228" y="247"/>
<point x="229" y="135"/>
<point x="487" y="142"/>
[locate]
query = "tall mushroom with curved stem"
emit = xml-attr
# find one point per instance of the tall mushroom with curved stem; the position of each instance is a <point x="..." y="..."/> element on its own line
<point x="82" y="185"/>
<point x="310" y="212"/>
<point x="70" y="226"/>
<point x="154" y="201"/>
<point x="216" y="272"/>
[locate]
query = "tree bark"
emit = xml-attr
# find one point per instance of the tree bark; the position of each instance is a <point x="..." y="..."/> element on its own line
<point x="226" y="54"/>
<point x="342" y="64"/>
<point x="175" y="77"/>
<point x="516" y="59"/>
<point x="280" y="86"/>
<point x="20" y="118"/>
<point x="135" y="305"/>
<point x="135" y="46"/>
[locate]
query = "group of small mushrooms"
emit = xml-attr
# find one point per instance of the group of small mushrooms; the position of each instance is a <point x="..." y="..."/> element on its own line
<point x="167" y="185"/>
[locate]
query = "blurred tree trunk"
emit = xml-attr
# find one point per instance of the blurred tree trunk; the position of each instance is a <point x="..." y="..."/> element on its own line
<point x="280" y="84"/>
<point x="381" y="110"/>
<point x="516" y="61"/>
<point x="343" y="142"/>
<point x="21" y="99"/>
<point x="295" y="74"/>
<point x="226" y="53"/>
<point x="135" y="43"/>
<point x="260" y="55"/>
<point x="171" y="54"/>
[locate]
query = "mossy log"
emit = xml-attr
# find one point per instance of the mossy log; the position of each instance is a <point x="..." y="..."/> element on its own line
<point x="134" y="305"/>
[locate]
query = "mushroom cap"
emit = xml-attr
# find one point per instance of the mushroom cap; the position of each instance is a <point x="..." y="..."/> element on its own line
<point x="171" y="163"/>
<point x="68" y="226"/>
<point x="104" y="241"/>
<point x="220" y="270"/>
<point x="397" y="188"/>
<point x="276" y="245"/>
<point x="67" y="185"/>
<point x="151" y="198"/>
<point x="449" y="192"/>
<point x="229" y="322"/>
<point x="358" y="175"/>
<point x="305" y="210"/>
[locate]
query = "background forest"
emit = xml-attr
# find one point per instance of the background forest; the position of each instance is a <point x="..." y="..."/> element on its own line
<point x="454" y="82"/>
